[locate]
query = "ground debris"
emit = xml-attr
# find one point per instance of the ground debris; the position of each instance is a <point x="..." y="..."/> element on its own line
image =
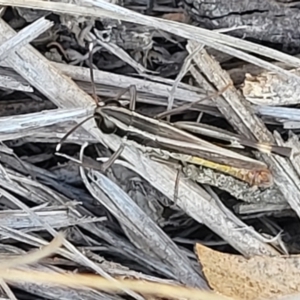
<point x="139" y="219"/>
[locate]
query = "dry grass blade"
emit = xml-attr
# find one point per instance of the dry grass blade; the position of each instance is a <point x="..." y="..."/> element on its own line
<point x="184" y="69"/>
<point x="97" y="282"/>
<point x="7" y="82"/>
<point x="121" y="53"/>
<point x="24" y="37"/>
<point x="144" y="233"/>
<point x="35" y="256"/>
<point x="108" y="84"/>
<point x="25" y="123"/>
<point x="92" y="281"/>
<point x="226" y="44"/>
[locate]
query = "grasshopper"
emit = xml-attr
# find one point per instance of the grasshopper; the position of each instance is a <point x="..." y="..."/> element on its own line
<point x="166" y="140"/>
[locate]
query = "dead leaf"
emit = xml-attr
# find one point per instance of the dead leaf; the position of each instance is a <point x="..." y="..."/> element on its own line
<point x="178" y="17"/>
<point x="260" y="277"/>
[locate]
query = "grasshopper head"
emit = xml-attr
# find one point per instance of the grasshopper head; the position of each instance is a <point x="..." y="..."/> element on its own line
<point x="102" y="122"/>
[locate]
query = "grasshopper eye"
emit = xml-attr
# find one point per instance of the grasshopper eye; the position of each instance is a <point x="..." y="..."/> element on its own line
<point x="104" y="124"/>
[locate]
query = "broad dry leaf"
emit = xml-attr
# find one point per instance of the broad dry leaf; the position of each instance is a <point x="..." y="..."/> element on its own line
<point x="260" y="277"/>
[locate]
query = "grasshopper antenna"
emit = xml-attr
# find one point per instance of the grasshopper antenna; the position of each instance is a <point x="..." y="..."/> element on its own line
<point x="58" y="147"/>
<point x="71" y="131"/>
<point x="91" y="47"/>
